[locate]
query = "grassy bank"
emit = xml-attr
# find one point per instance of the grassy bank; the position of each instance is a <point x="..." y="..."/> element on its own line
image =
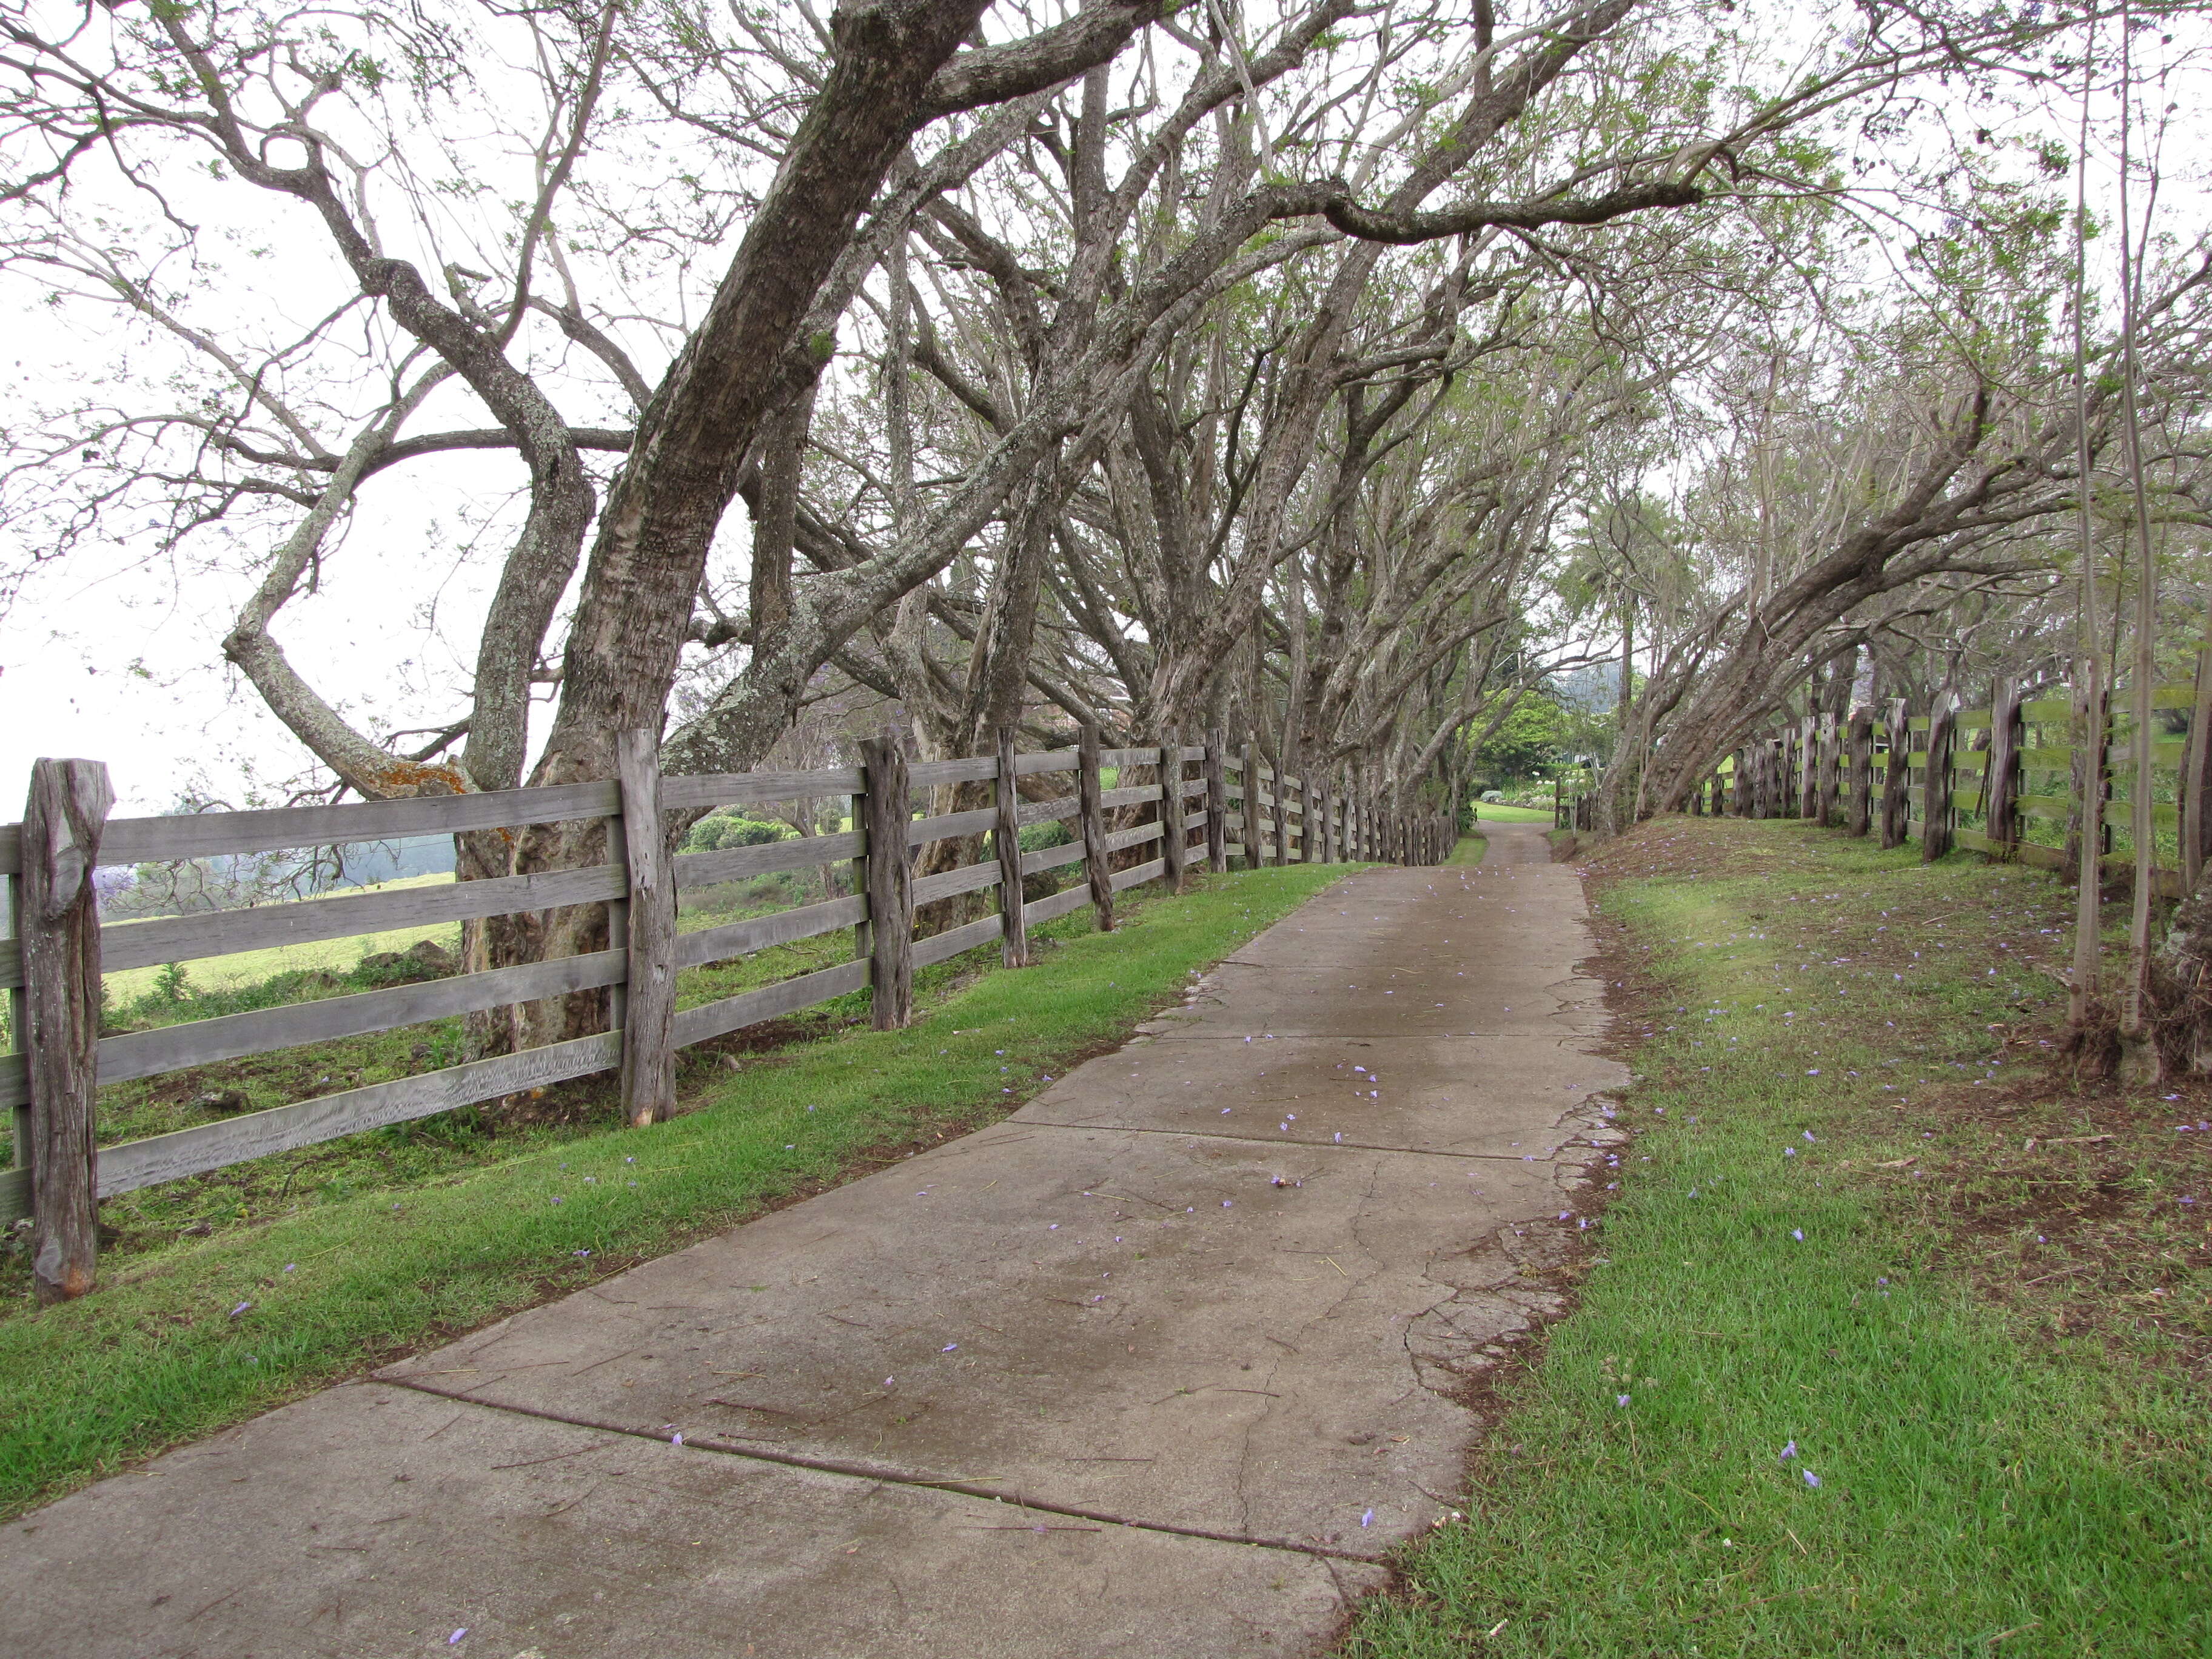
<point x="222" y="1328"/>
<point x="1893" y="1339"/>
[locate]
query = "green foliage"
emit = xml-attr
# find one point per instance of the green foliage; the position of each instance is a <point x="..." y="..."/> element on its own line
<point x="723" y="830"/>
<point x="1535" y="735"/>
<point x="1984" y="1473"/>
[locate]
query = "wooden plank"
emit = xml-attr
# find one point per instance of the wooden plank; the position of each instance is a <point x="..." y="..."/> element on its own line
<point x="1216" y="784"/>
<point x="204" y="1146"/>
<point x="207" y="835"/>
<point x="936" y="775"/>
<point x="2043" y="858"/>
<point x="1121" y="840"/>
<point x="1055" y="760"/>
<point x="1894" y="803"/>
<point x="648" y="1058"/>
<point x="1969" y="760"/>
<point x="2001" y="775"/>
<point x="1059" y="904"/>
<point x="1175" y="849"/>
<point x="942" y="947"/>
<point x="11" y="964"/>
<point x="947" y="825"/>
<point x="889" y="810"/>
<point x="1044" y="812"/>
<point x="1006" y="849"/>
<point x="14" y="1085"/>
<point x="949" y="884"/>
<point x="1194" y="820"/>
<point x="1129" y="757"/>
<point x="1096" y="869"/>
<point x="2048" y="757"/>
<point x="738" y="938"/>
<point x="11" y="848"/>
<point x="715" y="1019"/>
<point x="2048" y="711"/>
<point x="2056" y="808"/>
<point x="1233" y="849"/>
<point x="127" y="945"/>
<point x="751" y="788"/>
<point x="1858" y="776"/>
<point x="1136" y="796"/>
<point x="1140" y="875"/>
<point x="1249" y="819"/>
<point x="57" y="920"/>
<point x="735" y="863"/>
<point x="1051" y="858"/>
<point x="1192" y="752"/>
<point x="266" y="1030"/>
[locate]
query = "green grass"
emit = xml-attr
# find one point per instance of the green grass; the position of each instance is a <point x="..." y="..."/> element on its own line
<point x="1828" y="1236"/>
<point x="1501" y="814"/>
<point x="1469" y="850"/>
<point x="325" y="955"/>
<point x="223" y="1327"/>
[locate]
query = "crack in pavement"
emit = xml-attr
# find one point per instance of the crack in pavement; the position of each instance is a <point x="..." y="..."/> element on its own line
<point x="852" y="1469"/>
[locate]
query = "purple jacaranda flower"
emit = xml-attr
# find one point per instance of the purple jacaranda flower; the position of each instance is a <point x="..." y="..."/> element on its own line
<point x="1620" y="1400"/>
<point x="948" y="1347"/>
<point x="1797" y="1233"/>
<point x="1368" y="1519"/>
<point x="1811" y="1479"/>
<point x="676" y="1439"/>
<point x="457" y="1636"/>
<point x="1789" y="1451"/>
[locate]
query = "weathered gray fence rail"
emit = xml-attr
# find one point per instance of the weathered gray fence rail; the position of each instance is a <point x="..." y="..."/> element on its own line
<point x="52" y="967"/>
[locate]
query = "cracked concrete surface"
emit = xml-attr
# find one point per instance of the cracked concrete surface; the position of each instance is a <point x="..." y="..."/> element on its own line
<point x="1164" y="1363"/>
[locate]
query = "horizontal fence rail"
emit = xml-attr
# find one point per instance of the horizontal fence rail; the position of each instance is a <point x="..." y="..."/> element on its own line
<point x="1172" y="808"/>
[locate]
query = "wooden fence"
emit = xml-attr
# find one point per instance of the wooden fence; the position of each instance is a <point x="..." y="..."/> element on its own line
<point x="2009" y="780"/>
<point x="53" y="964"/>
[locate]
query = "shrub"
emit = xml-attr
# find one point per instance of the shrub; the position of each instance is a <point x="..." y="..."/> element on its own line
<point x="720" y="830"/>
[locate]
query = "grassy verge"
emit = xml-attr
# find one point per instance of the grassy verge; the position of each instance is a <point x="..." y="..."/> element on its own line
<point x="1499" y="813"/>
<point x="1894" y="1339"/>
<point x="228" y="1325"/>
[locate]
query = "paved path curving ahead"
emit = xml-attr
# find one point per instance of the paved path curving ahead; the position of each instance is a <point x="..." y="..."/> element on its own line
<point x="1162" y="1364"/>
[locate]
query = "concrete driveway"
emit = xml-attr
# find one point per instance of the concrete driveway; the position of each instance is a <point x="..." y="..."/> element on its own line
<point x="1163" y="1364"/>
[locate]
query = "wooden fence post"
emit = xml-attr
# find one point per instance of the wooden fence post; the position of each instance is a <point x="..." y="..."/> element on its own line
<point x="1937" y="786"/>
<point x="1006" y="842"/>
<point x="1282" y="813"/>
<point x="1740" y="788"/>
<point x="1251" y="831"/>
<point x="1174" y="839"/>
<point x="891" y="884"/>
<point x="1216" y="800"/>
<point x="648" y="1053"/>
<point x="2196" y="792"/>
<point x="1096" y="864"/>
<point x="1896" y="775"/>
<point x="1823" y="809"/>
<point x="1808" y="771"/>
<point x="2001" y="768"/>
<point x="59" y="932"/>
<point x="1858" y="789"/>
<point x="1309" y="842"/>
